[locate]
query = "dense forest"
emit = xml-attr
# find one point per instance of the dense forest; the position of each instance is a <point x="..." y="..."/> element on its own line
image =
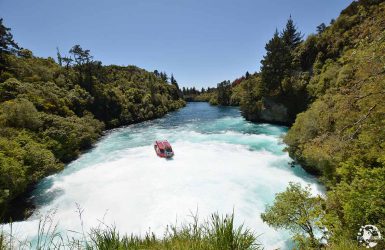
<point x="51" y="111"/>
<point x="226" y="93"/>
<point x="341" y="134"/>
<point x="330" y="89"/>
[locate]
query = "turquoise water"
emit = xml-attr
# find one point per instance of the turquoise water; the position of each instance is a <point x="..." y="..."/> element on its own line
<point x="222" y="163"/>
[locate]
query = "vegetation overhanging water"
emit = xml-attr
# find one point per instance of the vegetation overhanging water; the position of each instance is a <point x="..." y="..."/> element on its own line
<point x="222" y="164"/>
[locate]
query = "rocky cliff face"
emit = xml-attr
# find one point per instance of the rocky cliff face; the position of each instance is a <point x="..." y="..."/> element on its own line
<point x="271" y="111"/>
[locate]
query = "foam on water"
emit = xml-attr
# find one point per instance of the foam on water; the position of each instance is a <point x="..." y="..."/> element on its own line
<point x="222" y="163"/>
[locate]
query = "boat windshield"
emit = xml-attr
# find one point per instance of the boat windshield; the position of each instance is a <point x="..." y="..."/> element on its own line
<point x="168" y="150"/>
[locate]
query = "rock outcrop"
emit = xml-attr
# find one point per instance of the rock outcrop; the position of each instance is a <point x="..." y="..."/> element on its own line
<point x="270" y="111"/>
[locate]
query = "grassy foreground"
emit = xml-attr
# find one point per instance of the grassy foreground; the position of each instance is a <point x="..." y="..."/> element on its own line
<point x="217" y="232"/>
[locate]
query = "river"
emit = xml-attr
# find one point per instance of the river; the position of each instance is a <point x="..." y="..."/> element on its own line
<point x="222" y="163"/>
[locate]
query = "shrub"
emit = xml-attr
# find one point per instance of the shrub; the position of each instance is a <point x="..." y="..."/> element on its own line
<point x="20" y="113"/>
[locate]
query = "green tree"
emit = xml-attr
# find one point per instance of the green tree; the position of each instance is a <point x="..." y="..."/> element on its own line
<point x="360" y="201"/>
<point x="172" y="80"/>
<point x="20" y="113"/>
<point x="81" y="56"/>
<point x="224" y="93"/>
<point x="291" y="36"/>
<point x="176" y="93"/>
<point x="12" y="178"/>
<point x="298" y="211"/>
<point x="25" y="53"/>
<point x="9" y="89"/>
<point x="84" y="65"/>
<point x="7" y="45"/>
<point x="163" y="76"/>
<point x="278" y="62"/>
<point x="252" y="90"/>
<point x="321" y="28"/>
<point x="274" y="63"/>
<point x="67" y="61"/>
<point x="59" y="57"/>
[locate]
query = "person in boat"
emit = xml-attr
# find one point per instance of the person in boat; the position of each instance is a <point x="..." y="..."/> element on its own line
<point x="163" y="149"/>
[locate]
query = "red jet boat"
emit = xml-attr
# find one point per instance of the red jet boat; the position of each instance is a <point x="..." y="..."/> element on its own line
<point x="163" y="149"/>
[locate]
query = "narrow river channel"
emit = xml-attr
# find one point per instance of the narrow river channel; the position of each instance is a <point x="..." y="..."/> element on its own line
<point x="222" y="164"/>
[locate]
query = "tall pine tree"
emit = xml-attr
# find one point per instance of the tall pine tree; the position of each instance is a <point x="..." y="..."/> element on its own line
<point x="163" y="76"/>
<point x="292" y="39"/>
<point x="175" y="83"/>
<point x="290" y="35"/>
<point x="278" y="62"/>
<point x="274" y="63"/>
<point x="7" y="45"/>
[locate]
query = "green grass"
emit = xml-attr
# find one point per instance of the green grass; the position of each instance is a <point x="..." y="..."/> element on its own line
<point x="215" y="233"/>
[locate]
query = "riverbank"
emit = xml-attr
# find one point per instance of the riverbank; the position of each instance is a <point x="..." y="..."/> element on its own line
<point x="22" y="207"/>
<point x="216" y="152"/>
<point x="50" y="113"/>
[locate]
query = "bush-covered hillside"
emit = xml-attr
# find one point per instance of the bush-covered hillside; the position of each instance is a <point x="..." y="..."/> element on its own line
<point x="50" y="112"/>
<point x="332" y="85"/>
<point x="341" y="135"/>
<point x="331" y="88"/>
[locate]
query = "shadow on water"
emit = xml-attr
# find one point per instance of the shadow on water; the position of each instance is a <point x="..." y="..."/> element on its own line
<point x="21" y="208"/>
<point x="35" y="196"/>
<point x="44" y="194"/>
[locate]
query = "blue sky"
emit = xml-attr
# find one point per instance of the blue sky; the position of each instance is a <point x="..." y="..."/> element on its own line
<point x="201" y="42"/>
